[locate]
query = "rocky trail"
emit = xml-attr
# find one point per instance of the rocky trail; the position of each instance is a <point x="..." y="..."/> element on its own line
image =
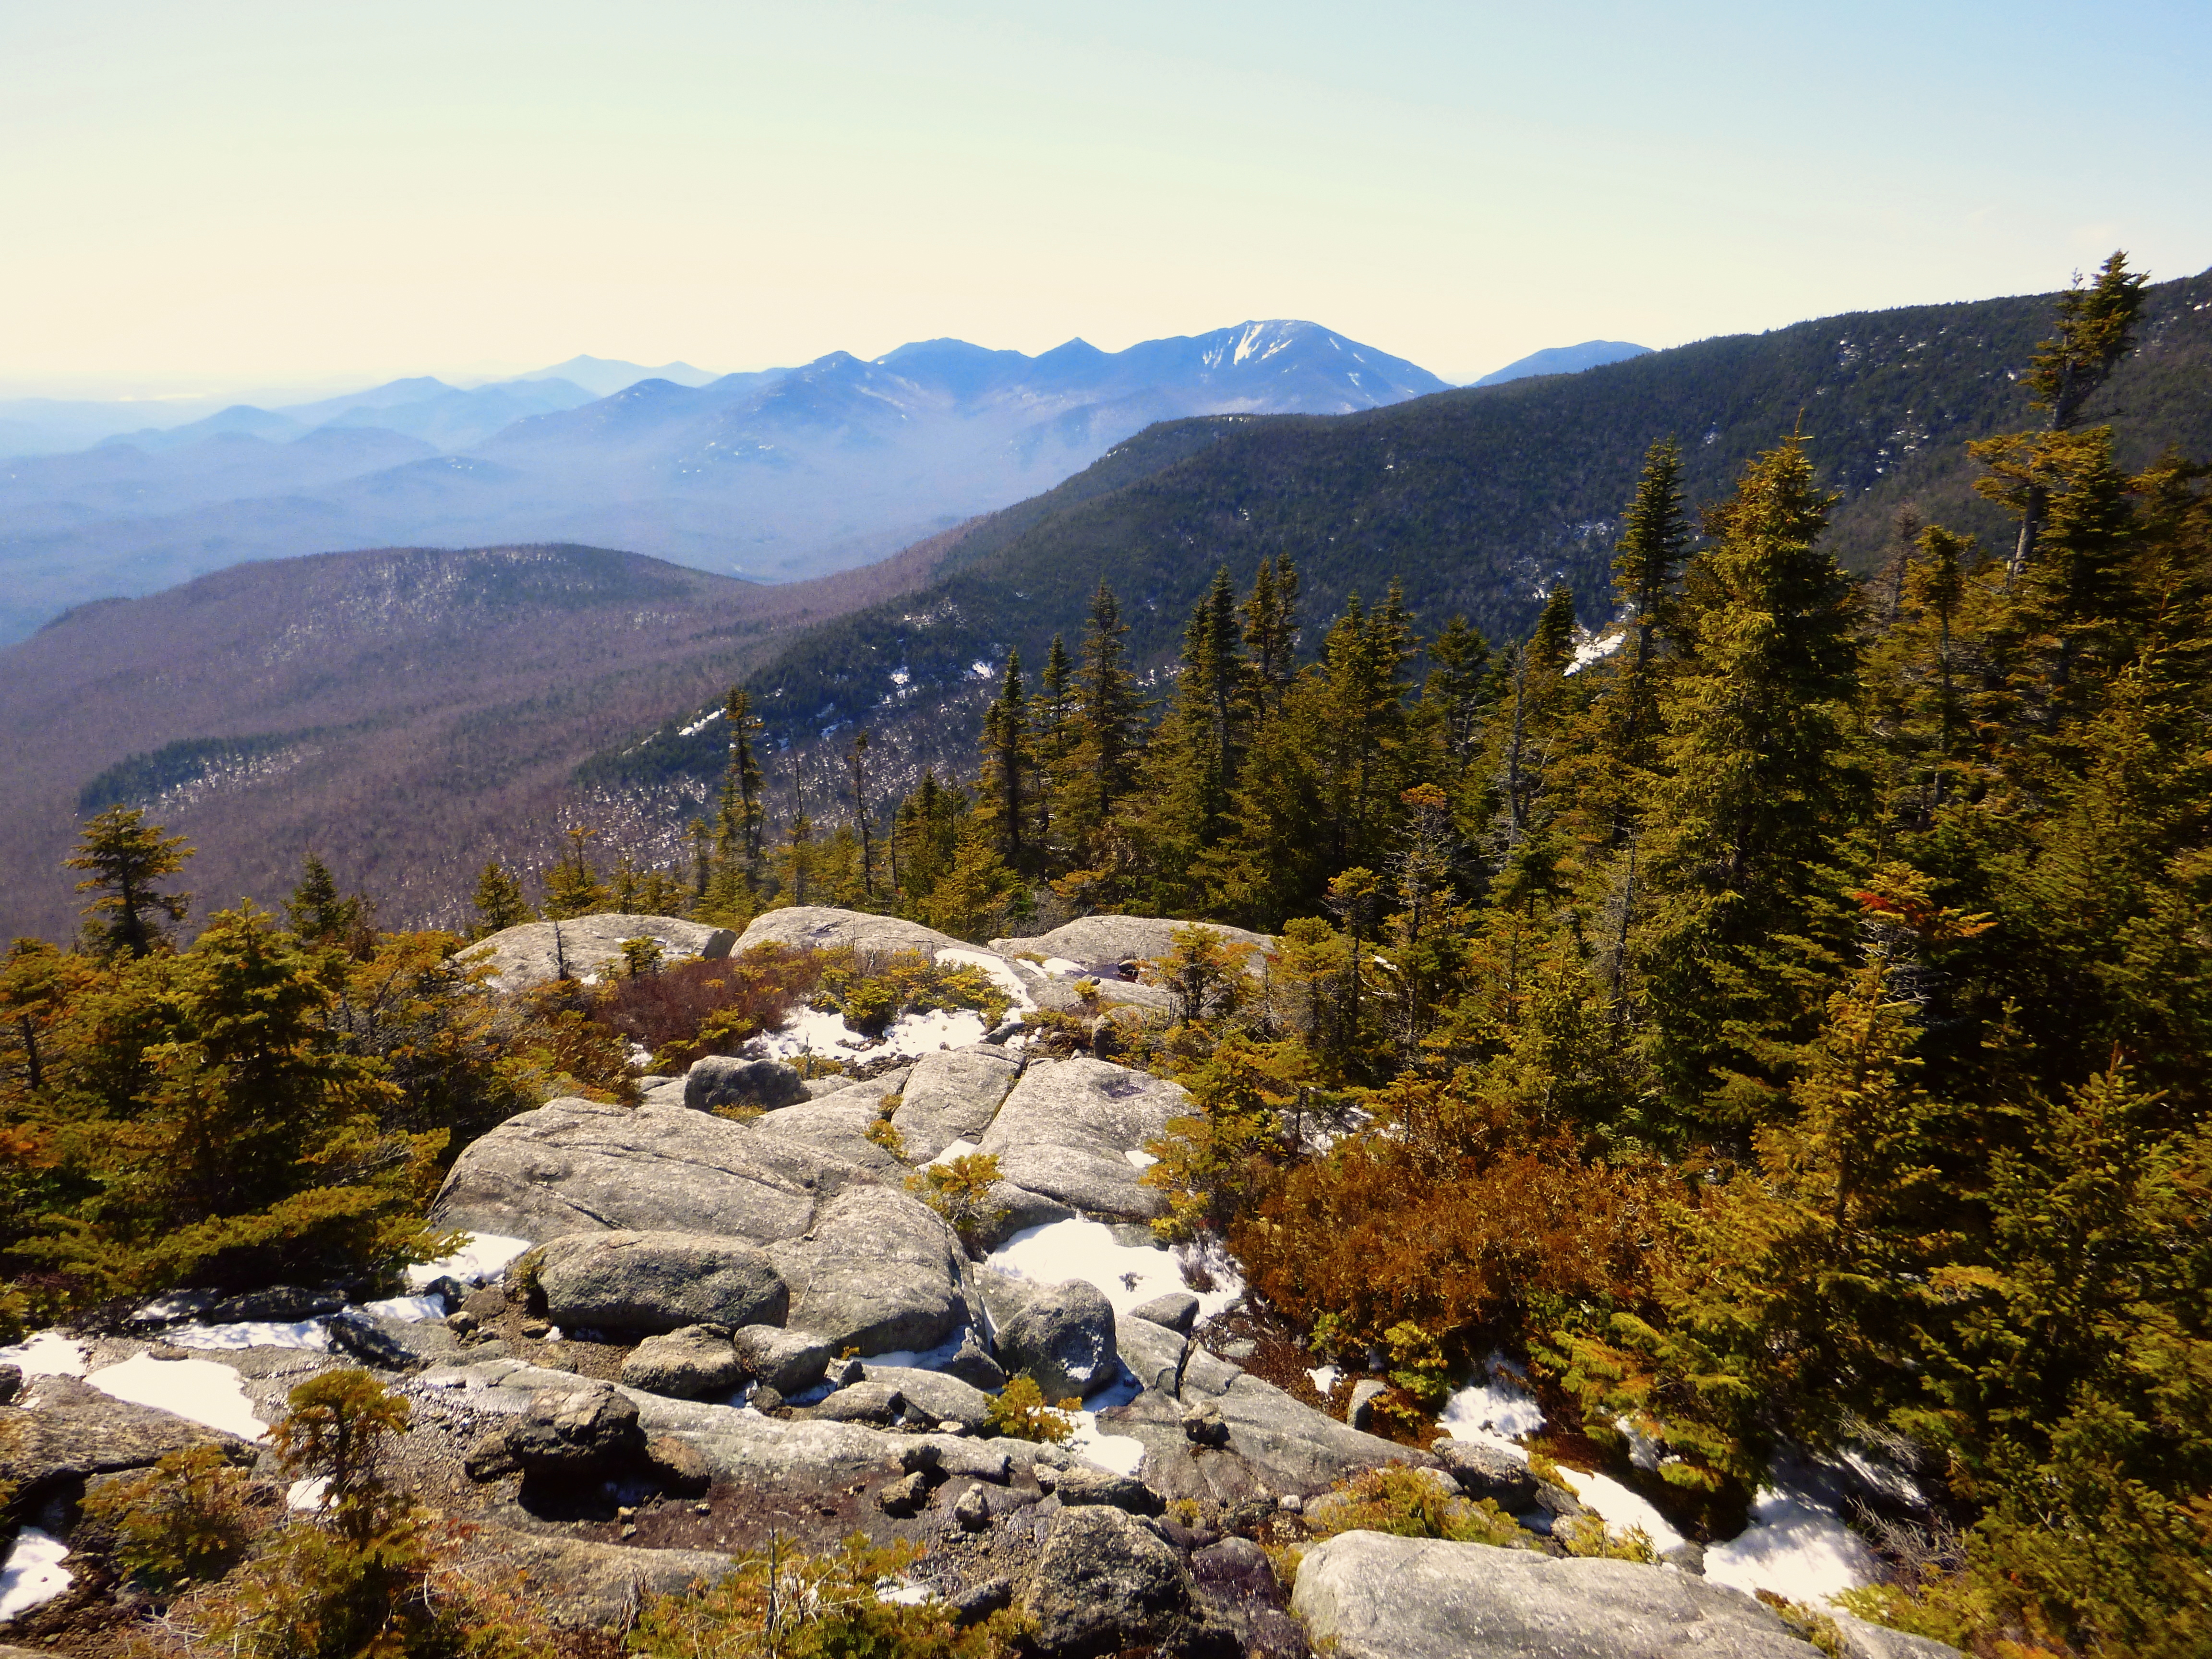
<point x="677" y="1332"/>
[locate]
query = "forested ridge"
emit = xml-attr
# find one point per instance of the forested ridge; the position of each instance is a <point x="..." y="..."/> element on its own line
<point x="1781" y="1024"/>
<point x="1477" y="501"/>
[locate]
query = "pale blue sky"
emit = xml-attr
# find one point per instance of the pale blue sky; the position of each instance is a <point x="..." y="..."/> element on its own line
<point x="223" y="196"/>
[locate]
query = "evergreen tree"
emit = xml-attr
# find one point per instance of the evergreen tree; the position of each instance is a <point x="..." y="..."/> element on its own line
<point x="127" y="856"/>
<point x="1003" y="794"/>
<point x="857" y="761"/>
<point x="1191" y="765"/>
<point x="1271" y="631"/>
<point x="2096" y="323"/>
<point x="572" y="887"/>
<point x="499" y="902"/>
<point x="1758" y="783"/>
<point x="317" y="912"/>
<point x="1460" y="688"/>
<point x="1102" y="760"/>
<point x="1052" y="741"/>
<point x="1645" y="568"/>
<point x="741" y="814"/>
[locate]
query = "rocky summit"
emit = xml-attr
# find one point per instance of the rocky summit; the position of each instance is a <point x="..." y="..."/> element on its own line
<point x="727" y="1311"/>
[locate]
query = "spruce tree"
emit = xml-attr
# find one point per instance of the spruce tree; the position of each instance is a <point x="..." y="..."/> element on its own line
<point x="1758" y="783"/>
<point x="856" y="761"/>
<point x="1102" y="758"/>
<point x="127" y="856"/>
<point x="741" y="814"/>
<point x="499" y="902"/>
<point x="572" y="887"/>
<point x="1052" y="741"/>
<point x="1645" y="567"/>
<point x="1190" y="767"/>
<point x="1271" y="631"/>
<point x="1004" y="792"/>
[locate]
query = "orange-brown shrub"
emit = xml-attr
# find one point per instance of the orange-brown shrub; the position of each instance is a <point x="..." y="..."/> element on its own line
<point x="698" y="1008"/>
<point x="1376" y="1234"/>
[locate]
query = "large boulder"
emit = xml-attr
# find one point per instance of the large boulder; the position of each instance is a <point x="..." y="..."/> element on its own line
<point x="1369" y="1596"/>
<point x="790" y="1362"/>
<point x="1096" y="941"/>
<point x="838" y="1124"/>
<point x="952" y="1095"/>
<point x="938" y="1397"/>
<point x="589" y="948"/>
<point x="1068" y="1127"/>
<point x="580" y="1585"/>
<point x="659" y="1281"/>
<point x="576" y="1165"/>
<point x="817" y="927"/>
<point x="1105" y="1582"/>
<point x="879" y="1271"/>
<point x="728" y="1080"/>
<point x="589" y="1429"/>
<point x="1064" y="1338"/>
<point x="699" y="1362"/>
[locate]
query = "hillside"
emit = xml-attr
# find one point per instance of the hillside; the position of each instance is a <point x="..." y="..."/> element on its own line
<point x="405" y="712"/>
<point x="779" y="474"/>
<point x="1478" y="500"/>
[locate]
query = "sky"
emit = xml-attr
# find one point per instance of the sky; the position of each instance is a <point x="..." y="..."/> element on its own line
<point x="212" y="198"/>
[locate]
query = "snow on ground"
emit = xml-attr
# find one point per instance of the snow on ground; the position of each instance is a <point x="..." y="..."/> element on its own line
<point x="412" y="1309"/>
<point x="1498" y="1410"/>
<point x="307" y="1494"/>
<point x="995" y="968"/>
<point x="202" y="1390"/>
<point x="1796" y="1546"/>
<point x="1062" y="968"/>
<point x="1324" y="1379"/>
<point x="957" y="1149"/>
<point x="1595" y="649"/>
<point x="1141" y="1160"/>
<point x="812" y="1032"/>
<point x="307" y="1333"/>
<point x="33" y="1575"/>
<point x="47" y="1354"/>
<point x="480" y="1258"/>
<point x="1129" y="1274"/>
<point x="1122" y="1454"/>
<point x="1621" y="1509"/>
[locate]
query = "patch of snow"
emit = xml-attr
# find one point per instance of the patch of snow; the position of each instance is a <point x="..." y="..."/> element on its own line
<point x="1642" y="1449"/>
<point x="980" y="669"/>
<point x="957" y="1149"/>
<point x="1141" y="1160"/>
<point x="1621" y="1509"/>
<point x="700" y="723"/>
<point x="1499" y="1408"/>
<point x="813" y="1031"/>
<point x="47" y="1354"/>
<point x="995" y="968"/>
<point x="33" y="1575"/>
<point x="1594" y="649"/>
<point x="552" y="1334"/>
<point x="1324" y="1379"/>
<point x="202" y="1390"/>
<point x="1127" y="1275"/>
<point x="903" y="1592"/>
<point x="480" y="1258"/>
<point x="1121" y="1454"/>
<point x="307" y="1494"/>
<point x="412" y="1309"/>
<point x="308" y="1333"/>
<point x="1796" y="1546"/>
<point x="1062" y="968"/>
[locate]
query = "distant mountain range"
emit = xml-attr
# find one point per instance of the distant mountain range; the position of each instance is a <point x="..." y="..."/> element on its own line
<point x="1565" y="360"/>
<point x="408" y="713"/>
<point x="783" y="473"/>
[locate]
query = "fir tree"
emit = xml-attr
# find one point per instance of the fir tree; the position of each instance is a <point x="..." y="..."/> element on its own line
<point x="572" y="887"/>
<point x="1051" y="740"/>
<point x="499" y="902"/>
<point x="127" y="856"/>
<point x="1271" y="631"/>
<point x="1102" y="760"/>
<point x="317" y="912"/>
<point x="856" y="761"/>
<point x="1003" y="794"/>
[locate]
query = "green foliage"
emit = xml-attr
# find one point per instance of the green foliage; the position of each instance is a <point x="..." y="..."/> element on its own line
<point x="959" y="1190"/>
<point x="1417" y="1364"/>
<point x="1411" y="1504"/>
<point x="1019" y="1411"/>
<point x="499" y="902"/>
<point x="784" y="1605"/>
<point x="126" y="856"/>
<point x="186" y="1520"/>
<point x="1588" y="1535"/>
<point x="572" y="887"/>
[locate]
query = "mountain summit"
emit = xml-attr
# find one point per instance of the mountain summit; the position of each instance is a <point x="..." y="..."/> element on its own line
<point x="779" y="473"/>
